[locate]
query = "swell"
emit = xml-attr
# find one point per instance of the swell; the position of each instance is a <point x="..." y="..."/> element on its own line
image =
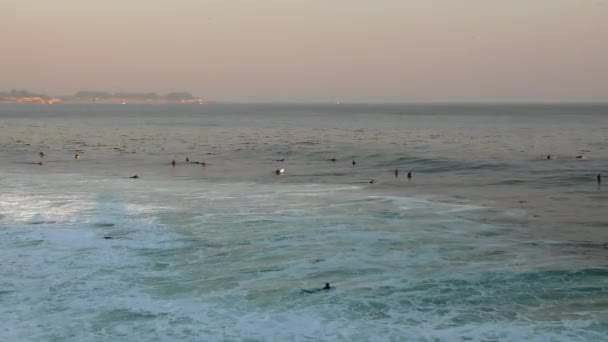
<point x="442" y="165"/>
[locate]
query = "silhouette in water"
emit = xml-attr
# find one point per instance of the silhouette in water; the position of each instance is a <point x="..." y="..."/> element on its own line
<point x="41" y="154"/>
<point x="134" y="177"/>
<point x="372" y="181"/>
<point x="333" y="160"/>
<point x="396" y="173"/>
<point x="548" y="156"/>
<point x="173" y="163"/>
<point x="354" y="162"/>
<point x="281" y="160"/>
<point x="409" y="175"/>
<point x="327" y="287"/>
<point x="599" y="178"/>
<point x="187" y="160"/>
<point x="77" y="156"/>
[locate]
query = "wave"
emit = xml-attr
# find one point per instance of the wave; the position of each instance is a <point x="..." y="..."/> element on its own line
<point x="441" y="165"/>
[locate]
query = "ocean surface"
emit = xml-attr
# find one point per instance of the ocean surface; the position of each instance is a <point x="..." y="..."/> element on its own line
<point x="489" y="240"/>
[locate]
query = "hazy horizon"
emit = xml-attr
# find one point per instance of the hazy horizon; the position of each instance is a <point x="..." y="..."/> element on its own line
<point x="422" y="51"/>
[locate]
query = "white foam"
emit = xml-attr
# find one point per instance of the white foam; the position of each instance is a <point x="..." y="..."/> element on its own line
<point x="191" y="265"/>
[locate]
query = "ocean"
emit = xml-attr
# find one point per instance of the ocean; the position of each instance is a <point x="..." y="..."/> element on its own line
<point x="488" y="241"/>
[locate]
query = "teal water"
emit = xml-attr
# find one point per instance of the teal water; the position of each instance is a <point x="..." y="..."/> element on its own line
<point x="488" y="242"/>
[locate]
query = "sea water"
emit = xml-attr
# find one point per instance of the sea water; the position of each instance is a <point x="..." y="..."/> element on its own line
<point x="489" y="240"/>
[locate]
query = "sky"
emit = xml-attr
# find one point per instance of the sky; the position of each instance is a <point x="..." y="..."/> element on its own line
<point x="311" y="50"/>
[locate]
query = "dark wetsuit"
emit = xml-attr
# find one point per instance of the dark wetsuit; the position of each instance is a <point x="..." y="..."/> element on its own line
<point x="327" y="287"/>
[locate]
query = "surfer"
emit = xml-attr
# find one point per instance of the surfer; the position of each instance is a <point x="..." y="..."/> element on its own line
<point x="327" y="287"/>
<point x="409" y="175"/>
<point x="548" y="156"/>
<point x="41" y="154"/>
<point x="354" y="162"/>
<point x="279" y="171"/>
<point x="281" y="160"/>
<point x="134" y="177"/>
<point x="372" y="181"/>
<point x="599" y="178"/>
<point x="333" y="160"/>
<point x="396" y="173"/>
<point x="173" y="163"/>
<point x="187" y="160"/>
<point x="77" y="156"/>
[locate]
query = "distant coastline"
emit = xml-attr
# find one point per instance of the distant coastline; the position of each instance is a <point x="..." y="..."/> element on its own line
<point x="24" y="96"/>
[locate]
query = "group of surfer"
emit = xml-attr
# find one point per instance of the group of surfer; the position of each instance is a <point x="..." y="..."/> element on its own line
<point x="409" y="174"/>
<point x="549" y="157"/>
<point x="599" y="175"/>
<point x="282" y="171"/>
<point x="41" y="154"/>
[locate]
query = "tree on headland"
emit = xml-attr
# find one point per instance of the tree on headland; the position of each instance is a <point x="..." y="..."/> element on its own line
<point x="92" y="95"/>
<point x="179" y="96"/>
<point x="101" y="96"/>
<point x="20" y="94"/>
<point x="137" y="96"/>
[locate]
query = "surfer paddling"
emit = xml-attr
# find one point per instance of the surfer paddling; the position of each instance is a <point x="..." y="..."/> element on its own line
<point x="327" y="287"/>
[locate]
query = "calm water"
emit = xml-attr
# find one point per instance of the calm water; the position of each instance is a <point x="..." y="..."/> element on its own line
<point x="489" y="241"/>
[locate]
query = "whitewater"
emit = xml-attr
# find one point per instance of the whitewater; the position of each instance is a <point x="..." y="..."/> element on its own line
<point x="489" y="240"/>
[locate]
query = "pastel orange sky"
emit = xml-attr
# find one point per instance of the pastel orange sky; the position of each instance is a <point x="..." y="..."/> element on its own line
<point x="311" y="50"/>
